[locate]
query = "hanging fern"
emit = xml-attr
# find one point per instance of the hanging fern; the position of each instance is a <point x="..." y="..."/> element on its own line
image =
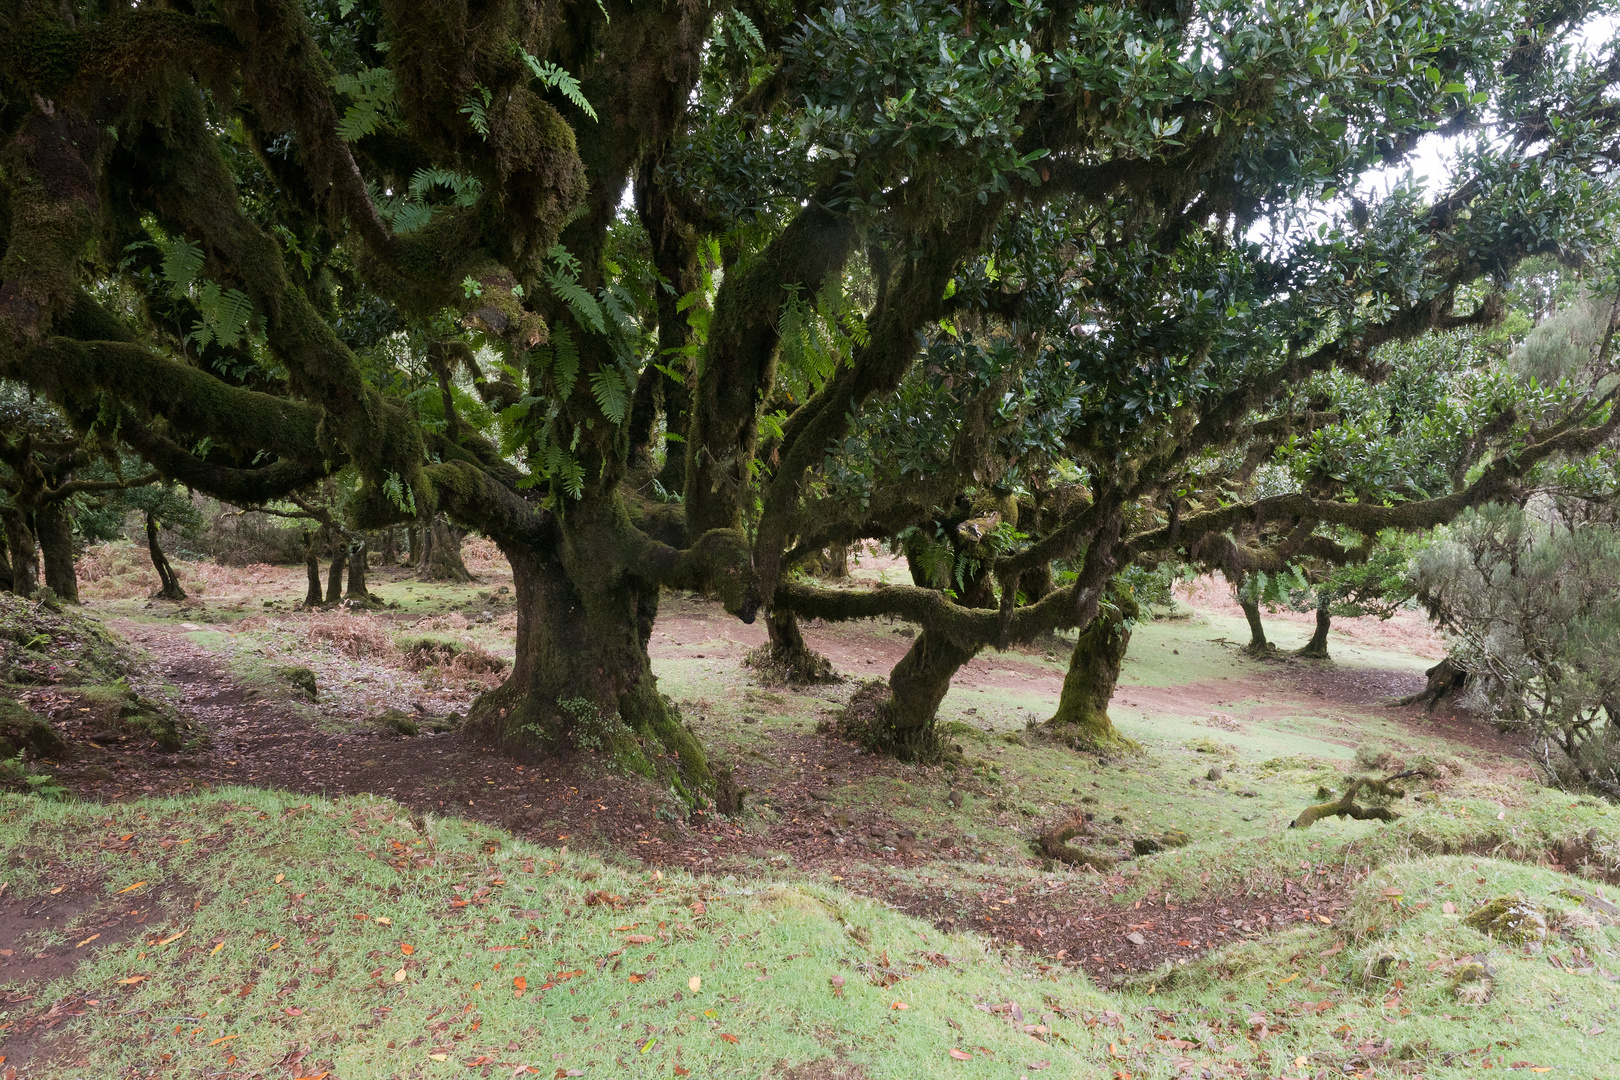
<point x="372" y="105"/>
<point x="549" y="74"/>
<point x="476" y="110"/>
<point x="563" y="278"/>
<point x="611" y="393"/>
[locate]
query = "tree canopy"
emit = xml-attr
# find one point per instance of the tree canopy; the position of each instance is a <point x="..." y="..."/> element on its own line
<point x="1011" y="284"/>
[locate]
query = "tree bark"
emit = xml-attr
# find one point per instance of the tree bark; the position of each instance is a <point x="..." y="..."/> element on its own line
<point x="1257" y="629"/>
<point x="582" y="679"/>
<point x="786" y="657"/>
<point x="5" y="563"/>
<point x="22" y="552"/>
<point x="1082" y="714"/>
<point x="441" y="553"/>
<point x="837" y="564"/>
<point x="389" y="555"/>
<point x="170" y="588"/>
<point x="334" y="576"/>
<point x="1317" y="647"/>
<point x="413" y="548"/>
<point x="312" y="566"/>
<point x="56" y="546"/>
<point x="920" y="682"/>
<point x="357" y="570"/>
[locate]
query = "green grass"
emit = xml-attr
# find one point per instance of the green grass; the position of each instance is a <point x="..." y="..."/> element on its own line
<point x="296" y="915"/>
<point x="332" y="928"/>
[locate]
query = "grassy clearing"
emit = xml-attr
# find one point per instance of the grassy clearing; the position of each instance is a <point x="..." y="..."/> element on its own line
<point x="368" y="945"/>
<point x="305" y="936"/>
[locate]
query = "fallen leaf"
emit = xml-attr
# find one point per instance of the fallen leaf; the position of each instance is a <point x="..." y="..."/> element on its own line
<point x="280" y="878"/>
<point x="899" y="1005"/>
<point x="130" y="888"/>
<point x="315" y="1076"/>
<point x="636" y="978"/>
<point x="1037" y="1066"/>
<point x="399" y="976"/>
<point x="133" y="979"/>
<point x="86" y="941"/>
<point x="224" y="1038"/>
<point x="648" y="1045"/>
<point x="481" y="1059"/>
<point x="638" y="939"/>
<point x="174" y="937"/>
<point x="519" y="985"/>
<point x="732" y="1039"/>
<point x="407" y="949"/>
<point x="439" y="1057"/>
<point x="961" y="1055"/>
<point x="682" y="1070"/>
<point x="695" y="982"/>
<point x="385" y="920"/>
<point x="1135" y="938"/>
<point x="218" y="945"/>
<point x="1448" y="908"/>
<point x="1338" y="947"/>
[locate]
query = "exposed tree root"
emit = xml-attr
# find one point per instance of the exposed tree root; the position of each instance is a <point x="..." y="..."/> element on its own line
<point x="1345" y="804"/>
<point x="1445" y="679"/>
<point x="1054" y="844"/>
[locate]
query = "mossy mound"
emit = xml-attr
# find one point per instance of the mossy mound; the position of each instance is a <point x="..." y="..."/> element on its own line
<point x="1510" y="919"/>
<point x="21" y="729"/>
<point x="119" y="710"/>
<point x="301" y="678"/>
<point x="42" y="643"/>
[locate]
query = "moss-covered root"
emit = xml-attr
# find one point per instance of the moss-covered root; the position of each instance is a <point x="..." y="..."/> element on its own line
<point x="785" y="659"/>
<point x="1345" y="805"/>
<point x="1054" y="843"/>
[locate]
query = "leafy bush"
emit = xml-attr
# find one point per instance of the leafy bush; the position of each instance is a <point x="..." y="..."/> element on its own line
<point x="1531" y="604"/>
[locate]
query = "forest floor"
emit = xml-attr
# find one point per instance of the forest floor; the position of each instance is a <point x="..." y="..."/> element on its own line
<point x="1230" y="750"/>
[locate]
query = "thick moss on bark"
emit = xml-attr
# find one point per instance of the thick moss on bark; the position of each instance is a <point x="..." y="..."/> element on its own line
<point x="21" y="552"/>
<point x="582" y="680"/>
<point x="56" y="545"/>
<point x="1082" y="717"/>
<point x="785" y="658"/>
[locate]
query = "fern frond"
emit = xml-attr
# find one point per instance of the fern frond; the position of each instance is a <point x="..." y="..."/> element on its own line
<point x="612" y="397"/>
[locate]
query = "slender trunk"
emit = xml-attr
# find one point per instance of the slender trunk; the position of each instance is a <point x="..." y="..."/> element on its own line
<point x="441" y="553"/>
<point x="1317" y="647"/>
<point x="1257" y="629"/>
<point x="677" y="410"/>
<point x="837" y="563"/>
<point x="22" y="552"/>
<point x="170" y="584"/>
<point x="581" y="679"/>
<point x="334" y="576"/>
<point x="785" y="657"/>
<point x="389" y="554"/>
<point x="5" y="564"/>
<point x="413" y="548"/>
<point x="1082" y="713"/>
<point x="56" y="545"/>
<point x="312" y="566"/>
<point x="357" y="570"/>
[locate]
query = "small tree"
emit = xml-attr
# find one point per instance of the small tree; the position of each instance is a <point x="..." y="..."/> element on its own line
<point x="1531" y="604"/>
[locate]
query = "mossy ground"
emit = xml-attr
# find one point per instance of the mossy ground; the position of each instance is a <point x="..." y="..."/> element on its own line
<point x="1288" y="1003"/>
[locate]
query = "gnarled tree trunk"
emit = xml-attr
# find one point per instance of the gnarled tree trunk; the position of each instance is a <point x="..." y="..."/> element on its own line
<point x="786" y="657"/>
<point x="334" y="576"/>
<point x="1257" y="629"/>
<point x="582" y="679"/>
<point x="441" y="553"/>
<point x="357" y="570"/>
<point x="1082" y="714"/>
<point x="22" y="552"/>
<point x="170" y="584"/>
<point x="312" y="567"/>
<point x="1317" y="647"/>
<point x="56" y="545"/>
